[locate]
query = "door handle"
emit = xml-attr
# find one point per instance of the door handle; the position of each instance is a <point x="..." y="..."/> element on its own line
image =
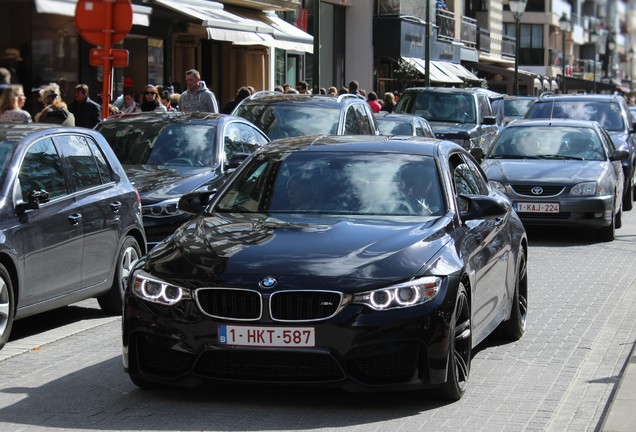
<point x="115" y="206"/>
<point x="75" y="219"/>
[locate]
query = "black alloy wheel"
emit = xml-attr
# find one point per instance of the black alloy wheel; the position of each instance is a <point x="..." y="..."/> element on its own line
<point x="460" y="349"/>
<point x="514" y="327"/>
<point x="129" y="253"/>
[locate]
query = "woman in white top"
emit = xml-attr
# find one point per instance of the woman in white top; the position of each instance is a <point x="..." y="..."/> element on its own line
<point x="11" y="103"/>
<point x="130" y="106"/>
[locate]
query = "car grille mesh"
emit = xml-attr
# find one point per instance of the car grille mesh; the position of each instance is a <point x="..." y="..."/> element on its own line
<point x="268" y="366"/>
<point x="545" y="190"/>
<point x="230" y="303"/>
<point x="246" y="305"/>
<point x="304" y="305"/>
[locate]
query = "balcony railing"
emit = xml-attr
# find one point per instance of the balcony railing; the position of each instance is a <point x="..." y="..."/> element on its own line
<point x="483" y="40"/>
<point x="469" y="32"/>
<point x="508" y="46"/>
<point x="445" y="21"/>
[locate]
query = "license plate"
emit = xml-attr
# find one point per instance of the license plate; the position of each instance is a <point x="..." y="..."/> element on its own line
<point x="537" y="207"/>
<point x="267" y="336"/>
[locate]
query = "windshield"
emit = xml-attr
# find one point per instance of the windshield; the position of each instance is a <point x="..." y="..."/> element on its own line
<point x="291" y="120"/>
<point x="336" y="183"/>
<point x="158" y="144"/>
<point x="539" y="142"/>
<point x="608" y="114"/>
<point x="439" y="107"/>
<point x="392" y="127"/>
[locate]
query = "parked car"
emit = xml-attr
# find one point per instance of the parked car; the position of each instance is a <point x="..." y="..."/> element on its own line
<point x="70" y="222"/>
<point x="166" y="155"/>
<point x="464" y="116"/>
<point x="361" y="262"/>
<point x="560" y="172"/>
<point x="610" y="111"/>
<point x="403" y="124"/>
<point x="282" y="115"/>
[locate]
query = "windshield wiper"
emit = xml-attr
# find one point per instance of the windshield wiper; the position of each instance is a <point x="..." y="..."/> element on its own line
<point x="556" y="156"/>
<point x="511" y="156"/>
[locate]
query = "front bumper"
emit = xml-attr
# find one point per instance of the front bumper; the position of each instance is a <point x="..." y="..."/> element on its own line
<point x="357" y="350"/>
<point x="593" y="212"/>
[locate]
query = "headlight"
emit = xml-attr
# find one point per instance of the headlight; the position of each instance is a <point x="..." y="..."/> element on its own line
<point x="162" y="209"/>
<point x="586" y="189"/>
<point x="403" y="295"/>
<point x="157" y="291"/>
<point x="498" y="185"/>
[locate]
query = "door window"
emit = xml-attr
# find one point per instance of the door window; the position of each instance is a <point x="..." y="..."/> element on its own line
<point x="84" y="168"/>
<point x="41" y="170"/>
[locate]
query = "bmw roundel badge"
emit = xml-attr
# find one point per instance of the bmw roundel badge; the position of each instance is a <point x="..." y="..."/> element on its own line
<point x="268" y="282"/>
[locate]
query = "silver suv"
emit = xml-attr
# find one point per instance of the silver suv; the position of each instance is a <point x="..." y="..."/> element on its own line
<point x="289" y="115"/>
<point x="464" y="116"/>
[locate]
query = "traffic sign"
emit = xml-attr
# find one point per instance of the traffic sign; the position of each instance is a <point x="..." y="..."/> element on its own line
<point x="93" y="23"/>
<point x="118" y="57"/>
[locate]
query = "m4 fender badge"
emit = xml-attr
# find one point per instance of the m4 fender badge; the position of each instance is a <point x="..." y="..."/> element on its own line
<point x="268" y="282"/>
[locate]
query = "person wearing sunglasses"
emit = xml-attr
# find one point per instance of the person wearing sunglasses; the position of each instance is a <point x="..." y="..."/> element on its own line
<point x="150" y="100"/>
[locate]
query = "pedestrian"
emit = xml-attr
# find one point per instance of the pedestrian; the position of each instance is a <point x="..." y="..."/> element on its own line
<point x="241" y="94"/>
<point x="332" y="91"/>
<point x="11" y="103"/>
<point x="373" y="102"/>
<point x="286" y="87"/>
<point x="165" y="100"/>
<point x="343" y="90"/>
<point x="129" y="105"/>
<point x="322" y="91"/>
<point x="353" y="88"/>
<point x="197" y="97"/>
<point x="86" y="111"/>
<point x="55" y="109"/>
<point x="150" y="102"/>
<point x="302" y="87"/>
<point x="389" y="102"/>
<point x="5" y="79"/>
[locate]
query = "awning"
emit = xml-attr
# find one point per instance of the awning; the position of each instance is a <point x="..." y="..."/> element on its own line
<point x="285" y="35"/>
<point x="554" y="86"/>
<point x="436" y="74"/>
<point x="67" y="8"/>
<point x="537" y="84"/>
<point x="220" y="24"/>
<point x="458" y="70"/>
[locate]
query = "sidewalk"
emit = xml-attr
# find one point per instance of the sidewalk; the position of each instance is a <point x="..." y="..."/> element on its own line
<point x="621" y="416"/>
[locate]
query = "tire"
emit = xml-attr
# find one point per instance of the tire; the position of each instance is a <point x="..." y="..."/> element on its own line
<point x="514" y="327"/>
<point x="129" y="253"/>
<point x="608" y="233"/>
<point x="619" y="218"/>
<point x="460" y="349"/>
<point x="629" y="195"/>
<point x="7" y="306"/>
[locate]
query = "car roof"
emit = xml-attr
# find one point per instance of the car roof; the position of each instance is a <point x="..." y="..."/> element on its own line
<point x="469" y="90"/>
<point x="18" y="131"/>
<point x="269" y="97"/>
<point x="397" y="117"/>
<point x="361" y="143"/>
<point x="167" y="117"/>
<point x="554" y="122"/>
<point x="578" y="97"/>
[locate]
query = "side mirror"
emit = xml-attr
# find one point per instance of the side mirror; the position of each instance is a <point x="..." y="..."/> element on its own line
<point x="483" y="207"/>
<point x="619" y="155"/>
<point x="489" y="120"/>
<point x="477" y="153"/>
<point x="195" y="202"/>
<point x="34" y="199"/>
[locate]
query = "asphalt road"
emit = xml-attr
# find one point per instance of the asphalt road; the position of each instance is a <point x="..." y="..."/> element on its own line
<point x="62" y="370"/>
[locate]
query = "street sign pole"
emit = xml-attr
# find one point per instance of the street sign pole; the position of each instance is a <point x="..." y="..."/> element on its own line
<point x="104" y="23"/>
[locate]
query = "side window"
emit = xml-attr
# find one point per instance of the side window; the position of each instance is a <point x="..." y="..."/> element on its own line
<point x="232" y="140"/>
<point x="357" y="121"/>
<point x="250" y="139"/>
<point x="84" y="169"/>
<point x="103" y="167"/>
<point x="484" y="108"/>
<point x="467" y="178"/>
<point x="41" y="169"/>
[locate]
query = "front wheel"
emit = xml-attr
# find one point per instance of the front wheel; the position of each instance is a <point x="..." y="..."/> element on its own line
<point x="515" y="326"/>
<point x="129" y="253"/>
<point x="7" y="306"/>
<point x="460" y="349"/>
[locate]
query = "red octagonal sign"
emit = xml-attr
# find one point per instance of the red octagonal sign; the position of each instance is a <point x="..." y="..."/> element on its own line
<point x="95" y="19"/>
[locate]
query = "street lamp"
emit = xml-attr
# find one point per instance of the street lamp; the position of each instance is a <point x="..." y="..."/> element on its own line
<point x="594" y="35"/>
<point x="564" y="24"/>
<point x="517" y="7"/>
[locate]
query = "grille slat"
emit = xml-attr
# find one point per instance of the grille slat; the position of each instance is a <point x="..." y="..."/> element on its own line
<point x="230" y="303"/>
<point x="526" y="190"/>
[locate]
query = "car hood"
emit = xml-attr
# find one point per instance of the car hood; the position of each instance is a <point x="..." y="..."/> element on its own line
<point x="157" y="183"/>
<point x="451" y="128"/>
<point x="543" y="171"/>
<point x="226" y="246"/>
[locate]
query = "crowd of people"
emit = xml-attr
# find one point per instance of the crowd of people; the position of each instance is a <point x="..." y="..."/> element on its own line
<point x="197" y="97"/>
